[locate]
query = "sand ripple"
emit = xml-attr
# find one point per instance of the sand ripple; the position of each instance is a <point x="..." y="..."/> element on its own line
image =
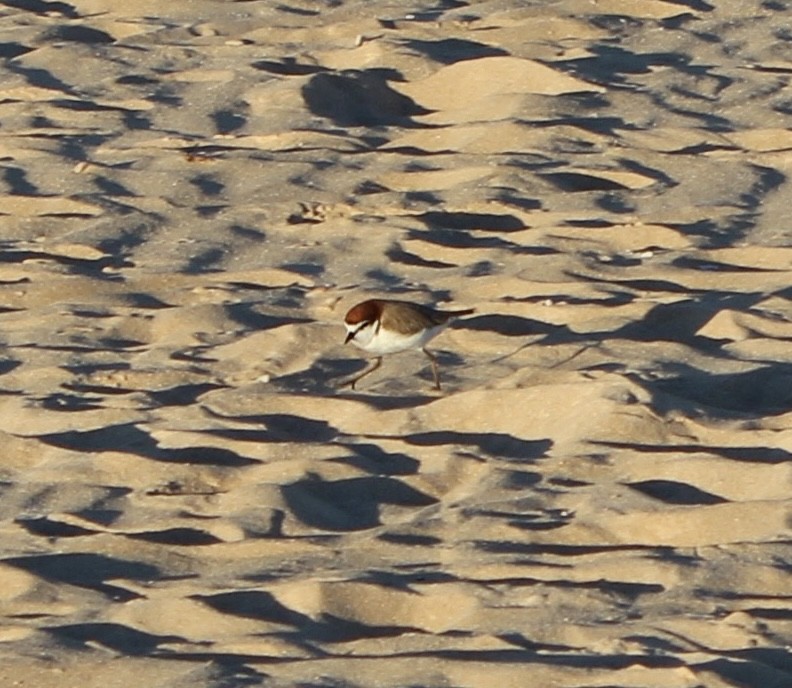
<point x="195" y="191"/>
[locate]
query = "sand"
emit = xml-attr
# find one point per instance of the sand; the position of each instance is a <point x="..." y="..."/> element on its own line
<point x="195" y="192"/>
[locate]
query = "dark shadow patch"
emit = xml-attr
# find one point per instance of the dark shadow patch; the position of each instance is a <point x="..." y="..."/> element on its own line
<point x="482" y="268"/>
<point x="769" y="613"/>
<point x="389" y="402"/>
<point x="278" y="427"/>
<point x="196" y="354"/>
<point x="208" y="211"/>
<point x="690" y="263"/>
<point x="568" y="482"/>
<point x="8" y="365"/>
<point x="512" y="326"/>
<point x="616" y="203"/>
<point x="88" y="571"/>
<point x="409" y="540"/>
<point x="572" y="660"/>
<point x="176" y="488"/>
<point x="612" y="300"/>
<point x="58" y="401"/>
<point x="288" y="427"/>
<point x="389" y="281"/>
<point x="319" y="380"/>
<point x="673" y="492"/>
<point x="333" y="629"/>
<point x="740" y="671"/>
<point x="543" y="520"/>
<point x="110" y="187"/>
<point x="76" y="105"/>
<point x="531" y="549"/>
<point x="522" y="480"/>
<point x="311" y="269"/>
<point x="376" y="461"/>
<point x="457" y="238"/>
<point x="734" y="228"/>
<point x="429" y="198"/>
<point x="369" y="187"/>
<point x="12" y="50"/>
<point x="143" y="300"/>
<point x="500" y="445"/>
<point x="768" y="455"/>
<point x="404" y="578"/>
<point x="395" y="254"/>
<point x="92" y="267"/>
<point x="249" y="233"/>
<point x="657" y="285"/>
<point x="17" y="181"/>
<point x="43" y="7"/>
<point x="609" y="63"/>
<point x="697" y="5"/>
<point x="509" y="197"/>
<point x="626" y="590"/>
<point x="490" y="222"/>
<point x="765" y="391"/>
<point x="137" y="80"/>
<point x="651" y="172"/>
<point x="451" y="50"/>
<point x="681" y="320"/>
<point x="348" y="505"/>
<point x="102" y="516"/>
<point x="575" y="182"/>
<point x="299" y="11"/>
<point x="128" y="438"/>
<point x="123" y="639"/>
<point x="42" y="79"/>
<point x="359" y="98"/>
<point x="210" y="260"/>
<point x="519" y="640"/>
<point x="208" y="185"/>
<point x="433" y="13"/>
<point x="113" y="343"/>
<point x="226" y="121"/>
<point x="246" y="314"/>
<point x="183" y="395"/>
<point x="51" y="528"/>
<point x="75" y="33"/>
<point x="183" y="537"/>
<point x="657" y="645"/>
<point x="254" y="604"/>
<point x="288" y="66"/>
<point x="615" y="24"/>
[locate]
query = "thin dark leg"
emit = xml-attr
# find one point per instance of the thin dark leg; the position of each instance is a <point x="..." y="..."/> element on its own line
<point x="351" y="383"/>
<point x="436" y="374"/>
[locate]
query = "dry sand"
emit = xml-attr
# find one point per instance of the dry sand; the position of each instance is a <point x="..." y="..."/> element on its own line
<point x="194" y="192"/>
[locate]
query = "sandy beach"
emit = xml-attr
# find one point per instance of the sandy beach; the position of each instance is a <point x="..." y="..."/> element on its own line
<point x="194" y="194"/>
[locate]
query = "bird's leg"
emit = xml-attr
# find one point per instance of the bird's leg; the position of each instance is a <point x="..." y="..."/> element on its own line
<point x="433" y="360"/>
<point x="351" y="383"/>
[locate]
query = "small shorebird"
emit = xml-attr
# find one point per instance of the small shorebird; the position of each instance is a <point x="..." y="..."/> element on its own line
<point x="383" y="326"/>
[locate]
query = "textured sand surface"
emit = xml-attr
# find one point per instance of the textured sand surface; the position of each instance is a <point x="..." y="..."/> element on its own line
<point x="195" y="191"/>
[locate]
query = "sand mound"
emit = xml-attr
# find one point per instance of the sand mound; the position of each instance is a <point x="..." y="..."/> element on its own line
<point x="194" y="194"/>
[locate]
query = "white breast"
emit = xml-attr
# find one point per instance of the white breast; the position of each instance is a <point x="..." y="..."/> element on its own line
<point x="384" y="341"/>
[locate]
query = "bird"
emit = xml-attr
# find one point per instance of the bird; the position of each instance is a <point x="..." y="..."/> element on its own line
<point x="386" y="326"/>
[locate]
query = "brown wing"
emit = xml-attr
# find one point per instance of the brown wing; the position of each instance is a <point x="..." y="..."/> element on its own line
<point x="413" y="317"/>
<point x="407" y="318"/>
